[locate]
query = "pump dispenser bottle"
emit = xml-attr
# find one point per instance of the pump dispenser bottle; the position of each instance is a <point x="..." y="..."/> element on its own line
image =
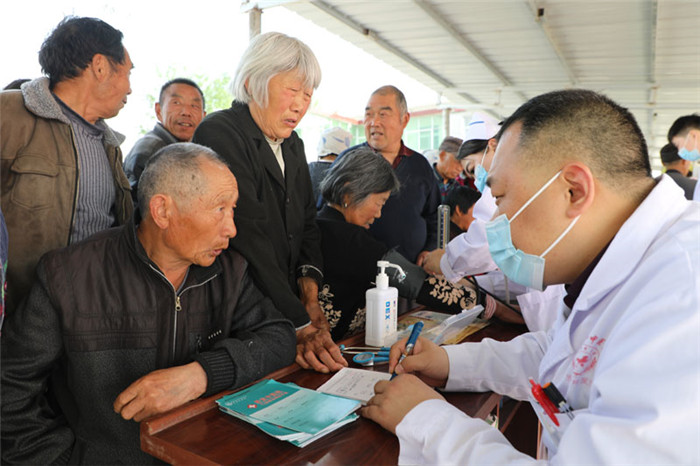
<point x="381" y="308"/>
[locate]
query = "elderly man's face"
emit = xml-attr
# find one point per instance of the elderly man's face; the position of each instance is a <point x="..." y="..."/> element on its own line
<point x="448" y="166"/>
<point x="199" y="232"/>
<point x="115" y="88"/>
<point x="288" y="101"/>
<point x="181" y="111"/>
<point x="384" y="124"/>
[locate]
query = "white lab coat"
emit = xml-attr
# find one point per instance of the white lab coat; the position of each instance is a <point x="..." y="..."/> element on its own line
<point x="468" y="254"/>
<point x="627" y="358"/>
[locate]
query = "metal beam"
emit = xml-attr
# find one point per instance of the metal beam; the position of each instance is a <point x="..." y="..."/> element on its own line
<point x="456" y="35"/>
<point x="652" y="35"/>
<point x="254" y="22"/>
<point x="540" y="19"/>
<point x="386" y="45"/>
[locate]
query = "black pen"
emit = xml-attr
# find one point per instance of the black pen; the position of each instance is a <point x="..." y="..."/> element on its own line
<point x="558" y="399"/>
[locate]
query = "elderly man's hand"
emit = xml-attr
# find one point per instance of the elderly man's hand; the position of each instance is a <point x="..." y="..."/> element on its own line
<point x="316" y="350"/>
<point x="161" y="391"/>
<point x="431" y="262"/>
<point x="394" y="399"/>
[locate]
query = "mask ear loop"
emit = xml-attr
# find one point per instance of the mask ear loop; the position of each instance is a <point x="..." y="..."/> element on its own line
<point x="529" y="201"/>
<point x="556" y="241"/>
<point x="484" y="155"/>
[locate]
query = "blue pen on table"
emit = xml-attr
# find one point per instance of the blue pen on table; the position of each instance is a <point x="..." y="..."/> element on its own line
<point x="417" y="327"/>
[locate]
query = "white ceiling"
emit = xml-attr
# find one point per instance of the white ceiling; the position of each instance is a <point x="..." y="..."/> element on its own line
<point x="494" y="55"/>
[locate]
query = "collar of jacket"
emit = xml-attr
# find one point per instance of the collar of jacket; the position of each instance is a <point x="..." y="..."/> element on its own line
<point x="39" y="100"/>
<point x="268" y="159"/>
<point x="329" y="213"/>
<point x="163" y="133"/>
<point x="196" y="275"/>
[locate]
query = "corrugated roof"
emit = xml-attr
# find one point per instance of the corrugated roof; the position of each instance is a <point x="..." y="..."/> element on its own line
<point x="497" y="54"/>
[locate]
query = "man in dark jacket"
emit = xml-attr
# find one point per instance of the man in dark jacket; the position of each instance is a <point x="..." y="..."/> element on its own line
<point x="137" y="320"/>
<point x="180" y="108"/>
<point x="409" y="217"/>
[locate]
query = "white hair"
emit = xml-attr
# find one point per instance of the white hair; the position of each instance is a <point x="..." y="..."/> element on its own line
<point x="268" y="55"/>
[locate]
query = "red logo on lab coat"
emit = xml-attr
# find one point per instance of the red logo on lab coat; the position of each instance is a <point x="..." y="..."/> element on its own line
<point x="588" y="355"/>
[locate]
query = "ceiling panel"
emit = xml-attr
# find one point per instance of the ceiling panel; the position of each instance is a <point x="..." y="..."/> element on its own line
<point x="496" y="54"/>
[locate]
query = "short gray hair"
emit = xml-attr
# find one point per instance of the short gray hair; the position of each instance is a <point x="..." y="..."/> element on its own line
<point x="450" y="144"/>
<point x="396" y="92"/>
<point x="357" y="174"/>
<point x="175" y="170"/>
<point x="268" y="55"/>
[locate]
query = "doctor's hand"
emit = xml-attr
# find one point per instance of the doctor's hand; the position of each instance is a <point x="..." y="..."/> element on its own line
<point x="431" y="262"/>
<point x="428" y="361"/>
<point x="393" y="400"/>
<point x="161" y="391"/>
<point x="316" y="350"/>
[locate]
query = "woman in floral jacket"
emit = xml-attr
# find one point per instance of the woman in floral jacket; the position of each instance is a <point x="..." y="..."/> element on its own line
<point x="354" y="191"/>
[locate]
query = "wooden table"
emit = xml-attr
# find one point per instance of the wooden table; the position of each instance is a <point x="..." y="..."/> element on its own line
<point x="198" y="433"/>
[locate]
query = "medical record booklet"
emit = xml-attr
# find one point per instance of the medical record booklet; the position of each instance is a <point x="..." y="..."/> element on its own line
<point x="289" y="412"/>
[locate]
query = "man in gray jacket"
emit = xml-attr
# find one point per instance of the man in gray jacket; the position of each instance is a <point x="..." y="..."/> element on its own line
<point x="137" y="320"/>
<point x="180" y="109"/>
<point x="61" y="175"/>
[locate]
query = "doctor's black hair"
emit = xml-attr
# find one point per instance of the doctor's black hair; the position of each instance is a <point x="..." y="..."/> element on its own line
<point x="682" y="125"/>
<point x="69" y="49"/>
<point x="588" y="126"/>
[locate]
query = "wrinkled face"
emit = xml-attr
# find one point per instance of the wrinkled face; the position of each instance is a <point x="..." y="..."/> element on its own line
<point x="181" y="110"/>
<point x="116" y="87"/>
<point x="383" y="122"/>
<point x="364" y="213"/>
<point x="448" y="166"/>
<point x="288" y="101"/>
<point x="199" y="232"/>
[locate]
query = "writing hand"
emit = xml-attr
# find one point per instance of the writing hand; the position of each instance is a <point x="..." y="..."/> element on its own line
<point x="428" y="361"/>
<point x="393" y="400"/>
<point x="161" y="391"/>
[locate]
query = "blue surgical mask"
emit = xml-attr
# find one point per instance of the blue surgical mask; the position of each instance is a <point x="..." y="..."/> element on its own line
<point x="692" y="155"/>
<point x="523" y="268"/>
<point x="480" y="174"/>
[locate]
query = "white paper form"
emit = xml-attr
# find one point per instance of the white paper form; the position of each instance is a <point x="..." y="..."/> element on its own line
<point x="357" y="384"/>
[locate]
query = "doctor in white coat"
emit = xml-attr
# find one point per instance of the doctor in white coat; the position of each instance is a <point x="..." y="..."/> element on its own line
<point x="468" y="254"/>
<point x="625" y="350"/>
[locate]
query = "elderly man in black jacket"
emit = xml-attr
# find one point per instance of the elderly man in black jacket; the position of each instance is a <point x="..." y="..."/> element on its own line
<point x="137" y="320"/>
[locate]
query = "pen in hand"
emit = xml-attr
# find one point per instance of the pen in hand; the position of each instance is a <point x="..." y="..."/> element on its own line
<point x="417" y="327"/>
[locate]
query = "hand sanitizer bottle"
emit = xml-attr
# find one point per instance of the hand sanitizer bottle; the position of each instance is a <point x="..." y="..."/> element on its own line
<point x="381" y="308"/>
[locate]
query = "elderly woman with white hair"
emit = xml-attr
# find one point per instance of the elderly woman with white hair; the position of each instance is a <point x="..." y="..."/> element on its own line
<point x="277" y="234"/>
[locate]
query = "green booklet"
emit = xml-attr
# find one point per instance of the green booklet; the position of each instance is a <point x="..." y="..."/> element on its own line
<point x="289" y="412"/>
